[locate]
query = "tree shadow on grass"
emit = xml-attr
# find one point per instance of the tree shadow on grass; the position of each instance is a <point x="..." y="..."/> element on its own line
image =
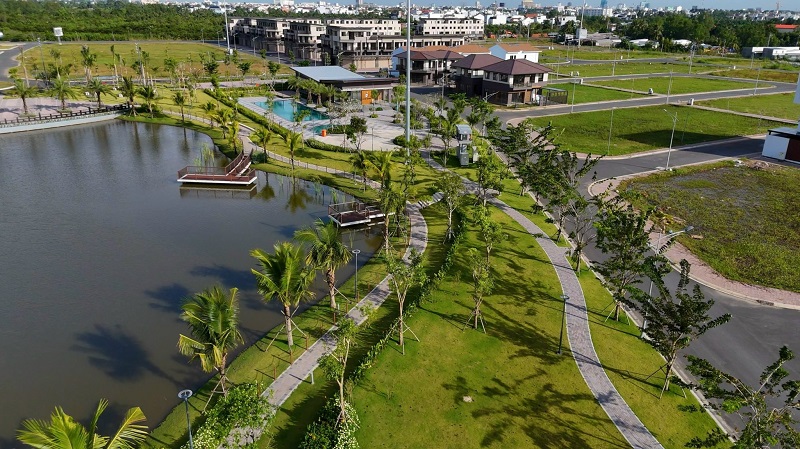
<point x="117" y="354"/>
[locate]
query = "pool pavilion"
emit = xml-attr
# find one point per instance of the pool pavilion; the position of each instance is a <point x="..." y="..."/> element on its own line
<point x="358" y="86"/>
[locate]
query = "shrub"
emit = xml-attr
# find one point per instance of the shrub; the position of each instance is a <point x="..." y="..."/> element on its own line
<point x="379" y="108"/>
<point x="316" y="144"/>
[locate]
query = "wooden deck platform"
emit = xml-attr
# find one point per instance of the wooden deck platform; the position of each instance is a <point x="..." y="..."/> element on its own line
<point x="238" y="172"/>
<point x="354" y="213"/>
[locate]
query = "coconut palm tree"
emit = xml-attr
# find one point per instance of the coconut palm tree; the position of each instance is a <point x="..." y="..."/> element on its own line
<point x="294" y="141"/>
<point x="381" y="161"/>
<point x="97" y="87"/>
<point x="88" y="60"/>
<point x="65" y="432"/>
<point x="128" y="90"/>
<point x="391" y="200"/>
<point x="24" y="91"/>
<point x="294" y="82"/>
<point x="361" y="165"/>
<point x="326" y="251"/>
<point x="284" y="276"/>
<point x="213" y="319"/>
<point x="61" y="90"/>
<point x="262" y="138"/>
<point x="179" y="98"/>
<point x="209" y="107"/>
<point x="149" y="96"/>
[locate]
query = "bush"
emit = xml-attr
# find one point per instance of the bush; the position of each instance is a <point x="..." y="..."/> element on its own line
<point x="379" y="108"/>
<point x="316" y="144"/>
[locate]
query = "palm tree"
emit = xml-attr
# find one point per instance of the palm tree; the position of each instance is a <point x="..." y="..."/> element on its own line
<point x="391" y="200"/>
<point x="361" y="164"/>
<point x="326" y="251"/>
<point x="179" y="98"/>
<point x="97" y="87"/>
<point x="213" y="319"/>
<point x="128" y="89"/>
<point x="284" y="276"/>
<point x="382" y="162"/>
<point x="262" y="137"/>
<point x="294" y="141"/>
<point x="293" y="82"/>
<point x="209" y="107"/>
<point x="64" y="432"/>
<point x="149" y="95"/>
<point x="115" y="58"/>
<point x="61" y="90"/>
<point x="24" y="91"/>
<point x="273" y="68"/>
<point x="88" y="61"/>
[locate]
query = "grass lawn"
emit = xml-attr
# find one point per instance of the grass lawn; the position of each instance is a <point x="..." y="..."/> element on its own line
<point x="523" y="394"/>
<point x="620" y="68"/>
<point x="779" y="105"/>
<point x="561" y="52"/>
<point x="763" y="75"/>
<point x="648" y="128"/>
<point x="585" y="93"/>
<point x="187" y="53"/>
<point x="680" y="85"/>
<point x="747" y="218"/>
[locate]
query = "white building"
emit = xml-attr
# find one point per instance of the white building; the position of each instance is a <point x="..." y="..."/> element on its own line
<point x="471" y="28"/>
<point x="515" y="51"/>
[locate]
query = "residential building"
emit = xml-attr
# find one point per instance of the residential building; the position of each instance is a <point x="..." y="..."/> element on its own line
<point x="468" y="73"/>
<point x="260" y="33"/>
<point x="514" y="81"/>
<point x="469" y="28"/>
<point x="515" y="51"/>
<point x="304" y="38"/>
<point x="428" y="66"/>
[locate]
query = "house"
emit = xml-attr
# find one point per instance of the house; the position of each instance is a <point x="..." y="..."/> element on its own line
<point x="515" y="51"/>
<point x="784" y="143"/>
<point x="514" y="81"/>
<point x="785" y="29"/>
<point x="468" y="73"/>
<point x="427" y="66"/>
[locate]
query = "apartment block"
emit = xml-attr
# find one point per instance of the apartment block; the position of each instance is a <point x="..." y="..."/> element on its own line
<point x="469" y="28"/>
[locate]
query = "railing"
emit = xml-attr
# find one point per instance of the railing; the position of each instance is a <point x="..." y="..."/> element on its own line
<point x="522" y="85"/>
<point x="237" y="170"/>
<point x="21" y="121"/>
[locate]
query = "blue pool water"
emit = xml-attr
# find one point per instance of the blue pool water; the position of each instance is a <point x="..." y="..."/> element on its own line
<point x="286" y="110"/>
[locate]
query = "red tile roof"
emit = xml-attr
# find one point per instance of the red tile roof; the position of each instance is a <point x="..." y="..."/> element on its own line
<point x="517" y="67"/>
<point x="475" y="62"/>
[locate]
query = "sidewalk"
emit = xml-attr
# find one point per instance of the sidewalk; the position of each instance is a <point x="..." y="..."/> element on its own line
<point x="704" y="274"/>
<point x="578" y="333"/>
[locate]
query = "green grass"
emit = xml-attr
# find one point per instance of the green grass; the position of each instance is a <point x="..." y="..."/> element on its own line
<point x="628" y="360"/>
<point x="585" y="93"/>
<point x="779" y="105"/>
<point x="187" y="53"/>
<point x="524" y="395"/>
<point x="561" y="53"/>
<point x="620" y="68"/>
<point x="763" y="75"/>
<point x="747" y="218"/>
<point x="661" y="85"/>
<point x="648" y="128"/>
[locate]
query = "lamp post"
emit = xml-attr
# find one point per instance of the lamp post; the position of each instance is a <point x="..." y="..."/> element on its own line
<point x="674" y="121"/>
<point x="564" y="298"/>
<point x="669" y="87"/>
<point x="657" y="249"/>
<point x="185" y="395"/>
<point x="408" y="78"/>
<point x="356" y="252"/>
<point x="610" y="127"/>
<point x="227" y="36"/>
<point x="574" y="88"/>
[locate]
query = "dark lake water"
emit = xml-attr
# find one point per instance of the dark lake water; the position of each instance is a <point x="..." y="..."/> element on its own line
<point x="99" y="245"/>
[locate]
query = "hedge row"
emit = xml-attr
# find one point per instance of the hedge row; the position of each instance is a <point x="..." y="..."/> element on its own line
<point x="322" y="433"/>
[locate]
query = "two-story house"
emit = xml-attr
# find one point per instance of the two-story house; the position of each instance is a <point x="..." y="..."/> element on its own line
<point x="468" y="73"/>
<point x="514" y="81"/>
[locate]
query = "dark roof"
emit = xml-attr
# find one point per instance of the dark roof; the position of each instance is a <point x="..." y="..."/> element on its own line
<point x="431" y="55"/>
<point x="517" y="67"/>
<point x="476" y="62"/>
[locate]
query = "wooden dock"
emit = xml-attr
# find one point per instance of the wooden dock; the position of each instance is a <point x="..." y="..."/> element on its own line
<point x="238" y="172"/>
<point x="354" y="213"/>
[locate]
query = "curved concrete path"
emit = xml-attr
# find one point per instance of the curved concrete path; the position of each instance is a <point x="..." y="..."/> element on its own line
<point x="578" y="333"/>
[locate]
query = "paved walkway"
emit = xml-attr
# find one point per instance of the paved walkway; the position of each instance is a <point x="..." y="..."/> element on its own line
<point x="702" y="273"/>
<point x="579" y="335"/>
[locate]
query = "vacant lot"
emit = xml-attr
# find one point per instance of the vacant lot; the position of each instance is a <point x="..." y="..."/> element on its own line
<point x="677" y="85"/>
<point x="620" y="68"/>
<point x="780" y="105"/>
<point x="764" y="75"/>
<point x="648" y="128"/>
<point x="747" y="218"/>
<point x="588" y="94"/>
<point x="188" y="54"/>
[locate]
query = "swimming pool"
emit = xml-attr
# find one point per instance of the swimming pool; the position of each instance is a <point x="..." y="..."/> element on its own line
<point x="285" y="109"/>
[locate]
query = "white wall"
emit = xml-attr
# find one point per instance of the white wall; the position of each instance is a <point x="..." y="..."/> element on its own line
<point x="775" y="147"/>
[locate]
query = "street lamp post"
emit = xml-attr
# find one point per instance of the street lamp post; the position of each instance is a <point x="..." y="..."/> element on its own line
<point x="408" y="78"/>
<point x="574" y="88"/>
<point x="356" y="252"/>
<point x="564" y="298"/>
<point x="674" y="122"/>
<point x="185" y="395"/>
<point x="658" y="249"/>
<point x="610" y="128"/>
<point x="227" y="36"/>
<point x="669" y="87"/>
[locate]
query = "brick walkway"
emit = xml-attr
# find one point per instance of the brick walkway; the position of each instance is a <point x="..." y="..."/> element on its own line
<point x="579" y="335"/>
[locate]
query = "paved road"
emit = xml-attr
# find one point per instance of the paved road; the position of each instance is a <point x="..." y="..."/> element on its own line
<point x="750" y="341"/>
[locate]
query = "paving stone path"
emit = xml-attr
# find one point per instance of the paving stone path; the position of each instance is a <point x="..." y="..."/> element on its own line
<point x="578" y="333"/>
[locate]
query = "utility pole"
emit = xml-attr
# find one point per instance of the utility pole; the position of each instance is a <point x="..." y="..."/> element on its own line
<point x="227" y="36"/>
<point x="408" y="78"/>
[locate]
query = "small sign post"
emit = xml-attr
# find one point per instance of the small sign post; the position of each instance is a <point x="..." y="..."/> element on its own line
<point x="58" y="32"/>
